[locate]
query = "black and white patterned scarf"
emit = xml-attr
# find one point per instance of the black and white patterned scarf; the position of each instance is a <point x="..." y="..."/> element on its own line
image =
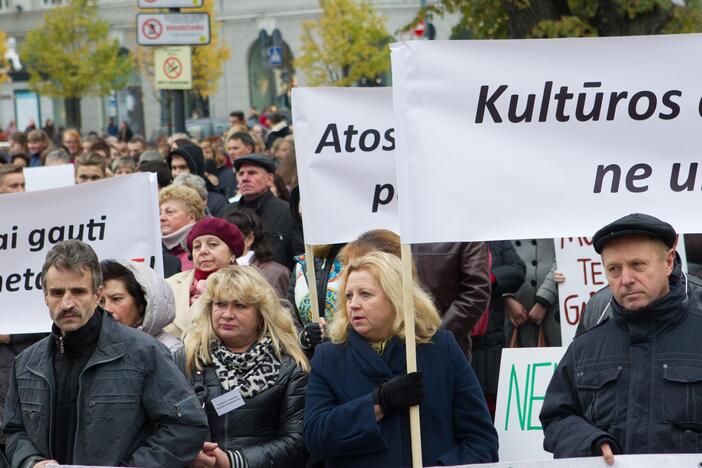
<point x="253" y="371"/>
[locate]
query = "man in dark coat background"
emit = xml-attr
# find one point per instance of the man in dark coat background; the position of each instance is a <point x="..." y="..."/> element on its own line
<point x="254" y="175"/>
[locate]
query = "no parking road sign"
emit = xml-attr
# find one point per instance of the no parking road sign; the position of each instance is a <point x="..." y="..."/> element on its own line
<point x="173" y="68"/>
<point x="165" y="29"/>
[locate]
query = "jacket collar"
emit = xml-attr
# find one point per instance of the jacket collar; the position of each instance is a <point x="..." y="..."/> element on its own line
<point x="661" y="315"/>
<point x="110" y="346"/>
<point x="370" y="362"/>
<point x="257" y="202"/>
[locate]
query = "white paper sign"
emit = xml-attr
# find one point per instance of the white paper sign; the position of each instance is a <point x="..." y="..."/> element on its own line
<point x="524" y="376"/>
<point x="620" y="461"/>
<point x="118" y="217"/>
<point x="545" y="138"/>
<point x="48" y="177"/>
<point x="345" y="162"/>
<point x="585" y="275"/>
<point x="228" y="402"/>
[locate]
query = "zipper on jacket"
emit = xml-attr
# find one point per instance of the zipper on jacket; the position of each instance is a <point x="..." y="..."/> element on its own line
<point x="180" y="403"/>
<point x="62" y="350"/>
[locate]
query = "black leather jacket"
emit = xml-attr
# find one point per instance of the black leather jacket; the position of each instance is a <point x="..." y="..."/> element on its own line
<point x="267" y="430"/>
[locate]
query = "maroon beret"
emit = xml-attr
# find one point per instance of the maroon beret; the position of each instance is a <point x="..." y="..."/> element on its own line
<point x="218" y="227"/>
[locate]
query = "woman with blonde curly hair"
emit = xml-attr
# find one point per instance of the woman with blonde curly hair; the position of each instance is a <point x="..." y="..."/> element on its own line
<point x="180" y="207"/>
<point x="359" y="391"/>
<point x="244" y="346"/>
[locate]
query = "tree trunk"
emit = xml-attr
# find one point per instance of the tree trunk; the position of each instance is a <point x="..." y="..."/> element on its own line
<point x="73" y="113"/>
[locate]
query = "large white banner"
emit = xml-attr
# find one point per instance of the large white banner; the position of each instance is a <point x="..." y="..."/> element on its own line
<point x="118" y="217"/>
<point x="345" y="142"/>
<point x="524" y="376"/>
<point x="584" y="276"/>
<point x="620" y="461"/>
<point x="48" y="177"/>
<point x="546" y="138"/>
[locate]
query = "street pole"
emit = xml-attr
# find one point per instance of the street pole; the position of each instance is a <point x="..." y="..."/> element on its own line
<point x="178" y="100"/>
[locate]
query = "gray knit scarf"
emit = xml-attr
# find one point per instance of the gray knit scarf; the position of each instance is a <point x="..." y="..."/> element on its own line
<point x="252" y="371"/>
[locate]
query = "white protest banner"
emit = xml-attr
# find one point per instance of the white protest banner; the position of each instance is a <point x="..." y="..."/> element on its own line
<point x="524" y="376"/>
<point x="584" y="276"/>
<point x="620" y="461"/>
<point x="48" y="177"/>
<point x="118" y="217"/>
<point x="545" y="137"/>
<point x="345" y="162"/>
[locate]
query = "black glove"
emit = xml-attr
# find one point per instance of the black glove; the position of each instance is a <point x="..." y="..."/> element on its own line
<point x="399" y="392"/>
<point x="311" y="335"/>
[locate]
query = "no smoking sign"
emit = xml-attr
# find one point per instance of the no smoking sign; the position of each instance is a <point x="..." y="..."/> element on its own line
<point x="173" y="67"/>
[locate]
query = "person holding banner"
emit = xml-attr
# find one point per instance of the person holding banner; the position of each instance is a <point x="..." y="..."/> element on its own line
<point x="214" y="243"/>
<point x="631" y="384"/>
<point x="359" y="392"/>
<point x="95" y="392"/>
<point x="243" y="348"/>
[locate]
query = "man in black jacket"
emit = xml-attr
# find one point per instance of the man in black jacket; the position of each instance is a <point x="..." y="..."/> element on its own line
<point x="254" y="174"/>
<point x="631" y="383"/>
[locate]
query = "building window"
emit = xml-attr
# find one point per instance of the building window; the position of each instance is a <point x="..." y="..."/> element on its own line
<point x="270" y="78"/>
<point x="50" y="3"/>
<point x="5" y="5"/>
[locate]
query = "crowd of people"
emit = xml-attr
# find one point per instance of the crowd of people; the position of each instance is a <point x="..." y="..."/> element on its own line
<point x="222" y="363"/>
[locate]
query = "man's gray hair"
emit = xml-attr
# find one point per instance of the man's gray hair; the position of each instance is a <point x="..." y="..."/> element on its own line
<point x="58" y="154"/>
<point x="73" y="255"/>
<point x="193" y="181"/>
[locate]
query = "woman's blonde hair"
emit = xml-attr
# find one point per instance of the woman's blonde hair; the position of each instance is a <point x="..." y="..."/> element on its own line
<point x="191" y="200"/>
<point x="386" y="269"/>
<point x="244" y="285"/>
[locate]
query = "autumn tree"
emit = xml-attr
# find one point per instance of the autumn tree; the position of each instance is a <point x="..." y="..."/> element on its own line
<point x="490" y="19"/>
<point x="71" y="56"/>
<point x="347" y="45"/>
<point x="4" y="65"/>
<point x="207" y="61"/>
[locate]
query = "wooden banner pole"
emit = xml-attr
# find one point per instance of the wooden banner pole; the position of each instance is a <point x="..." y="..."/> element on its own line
<point x="312" y="282"/>
<point x="411" y="348"/>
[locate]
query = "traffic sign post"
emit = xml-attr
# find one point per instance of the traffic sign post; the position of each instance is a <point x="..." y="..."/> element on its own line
<point x="169" y="29"/>
<point x="275" y="56"/>
<point x="173" y="69"/>
<point x="170" y="3"/>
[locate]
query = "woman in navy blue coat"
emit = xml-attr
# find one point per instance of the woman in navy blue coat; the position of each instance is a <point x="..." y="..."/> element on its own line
<point x="358" y="392"/>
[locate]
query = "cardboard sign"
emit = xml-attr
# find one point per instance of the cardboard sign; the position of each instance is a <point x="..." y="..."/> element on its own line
<point x="545" y="138"/>
<point x="524" y="376"/>
<point x="33" y="222"/>
<point x="345" y="162"/>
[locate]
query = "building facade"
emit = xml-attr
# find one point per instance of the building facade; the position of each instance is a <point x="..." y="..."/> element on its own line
<point x="251" y="78"/>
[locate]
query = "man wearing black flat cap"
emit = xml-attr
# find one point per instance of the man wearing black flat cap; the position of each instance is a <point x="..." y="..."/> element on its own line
<point x="632" y="383"/>
<point x="254" y="175"/>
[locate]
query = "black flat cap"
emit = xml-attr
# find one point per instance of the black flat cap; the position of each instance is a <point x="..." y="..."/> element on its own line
<point x="259" y="160"/>
<point x="633" y="224"/>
